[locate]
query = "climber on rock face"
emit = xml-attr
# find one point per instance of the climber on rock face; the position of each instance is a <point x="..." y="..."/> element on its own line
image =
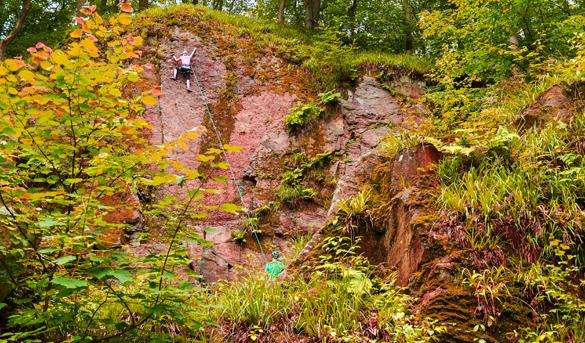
<point x="185" y="67"/>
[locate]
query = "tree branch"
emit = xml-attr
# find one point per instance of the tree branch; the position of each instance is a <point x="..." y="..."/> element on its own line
<point x="26" y="5"/>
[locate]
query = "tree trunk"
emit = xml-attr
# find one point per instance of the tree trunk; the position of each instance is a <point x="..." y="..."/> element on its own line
<point x="142" y="5"/>
<point x="352" y="12"/>
<point x="26" y="5"/>
<point x="281" y="7"/>
<point x="195" y="2"/>
<point x="408" y="25"/>
<point x="217" y="5"/>
<point x="312" y="11"/>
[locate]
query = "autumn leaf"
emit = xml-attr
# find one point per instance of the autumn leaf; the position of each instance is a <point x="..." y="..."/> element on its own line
<point x="76" y="33"/>
<point x="26" y="75"/>
<point x="232" y="148"/>
<point x="137" y="41"/>
<point x="126" y="7"/>
<point x="125" y="19"/>
<point x="59" y="57"/>
<point x="13" y="64"/>
<point x="149" y="100"/>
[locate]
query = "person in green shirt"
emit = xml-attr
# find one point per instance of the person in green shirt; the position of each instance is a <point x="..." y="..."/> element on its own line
<point x="274" y="267"/>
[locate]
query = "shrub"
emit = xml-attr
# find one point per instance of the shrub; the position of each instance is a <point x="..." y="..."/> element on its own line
<point x="330" y="97"/>
<point x="302" y="115"/>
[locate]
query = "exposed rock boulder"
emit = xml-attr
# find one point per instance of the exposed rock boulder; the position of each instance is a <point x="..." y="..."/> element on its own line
<point x="554" y="104"/>
<point x="399" y="244"/>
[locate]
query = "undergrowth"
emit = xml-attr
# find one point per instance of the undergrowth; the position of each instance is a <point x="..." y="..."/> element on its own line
<point x="341" y="301"/>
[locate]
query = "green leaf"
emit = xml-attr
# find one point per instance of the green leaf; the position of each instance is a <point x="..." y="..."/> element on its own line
<point x="64" y="260"/>
<point x="122" y="275"/>
<point x="230" y="208"/>
<point x="107" y="273"/>
<point x="48" y="222"/>
<point x="70" y="282"/>
<point x="48" y="250"/>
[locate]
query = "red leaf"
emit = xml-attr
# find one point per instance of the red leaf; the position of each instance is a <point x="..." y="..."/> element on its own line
<point x="92" y="8"/>
<point x="40" y="45"/>
<point x="93" y="39"/>
<point x="126" y="7"/>
<point x="79" y="20"/>
<point x="31" y="50"/>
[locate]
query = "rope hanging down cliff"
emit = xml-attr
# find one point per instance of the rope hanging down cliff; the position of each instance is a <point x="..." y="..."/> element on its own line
<point x="225" y="156"/>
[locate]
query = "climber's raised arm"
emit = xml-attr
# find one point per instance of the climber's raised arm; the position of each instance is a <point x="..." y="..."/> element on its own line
<point x="192" y="53"/>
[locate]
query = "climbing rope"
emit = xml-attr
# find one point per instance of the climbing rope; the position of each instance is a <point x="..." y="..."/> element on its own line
<point x="225" y="156"/>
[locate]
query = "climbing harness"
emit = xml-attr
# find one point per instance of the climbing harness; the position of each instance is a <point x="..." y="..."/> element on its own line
<point x="225" y="156"/>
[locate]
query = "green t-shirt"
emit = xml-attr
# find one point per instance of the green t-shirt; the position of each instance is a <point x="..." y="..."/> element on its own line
<point x="274" y="268"/>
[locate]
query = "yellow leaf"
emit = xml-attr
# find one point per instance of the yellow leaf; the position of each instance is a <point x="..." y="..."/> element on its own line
<point x="232" y="148"/>
<point x="149" y="100"/>
<point x="125" y="19"/>
<point x="205" y="158"/>
<point x="26" y="75"/>
<point x="90" y="47"/>
<point x="98" y="19"/>
<point x="76" y="33"/>
<point x="3" y="71"/>
<point x="59" y="57"/>
<point x="13" y="65"/>
<point x="138" y="41"/>
<point x="46" y="65"/>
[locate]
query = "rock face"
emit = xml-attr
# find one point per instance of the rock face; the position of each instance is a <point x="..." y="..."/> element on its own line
<point x="248" y="103"/>
<point x="554" y="104"/>
<point x="399" y="245"/>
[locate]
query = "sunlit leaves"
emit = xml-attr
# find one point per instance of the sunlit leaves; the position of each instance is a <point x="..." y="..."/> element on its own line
<point x="125" y="19"/>
<point x="76" y="33"/>
<point x="13" y="64"/>
<point x="149" y="100"/>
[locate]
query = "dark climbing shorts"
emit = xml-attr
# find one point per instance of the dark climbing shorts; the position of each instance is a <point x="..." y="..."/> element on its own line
<point x="186" y="72"/>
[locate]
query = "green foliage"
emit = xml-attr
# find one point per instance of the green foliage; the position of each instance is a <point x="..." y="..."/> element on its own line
<point x="302" y="115"/>
<point x="72" y="143"/>
<point x="329" y="305"/>
<point x="330" y="97"/>
<point x="485" y="41"/>
<point x="394" y="144"/>
<point x="558" y="285"/>
<point x="294" y="194"/>
<point x="46" y="22"/>
<point x="291" y="190"/>
<point x="355" y="211"/>
<point x="239" y="236"/>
